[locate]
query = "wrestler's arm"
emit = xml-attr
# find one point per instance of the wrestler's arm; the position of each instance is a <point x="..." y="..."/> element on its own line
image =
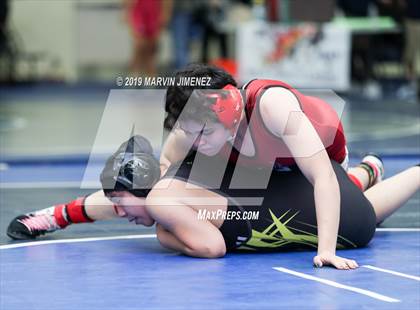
<point x="175" y="149"/>
<point x="169" y="241"/>
<point x="304" y="143"/>
<point x="98" y="207"/>
<point x="179" y="227"/>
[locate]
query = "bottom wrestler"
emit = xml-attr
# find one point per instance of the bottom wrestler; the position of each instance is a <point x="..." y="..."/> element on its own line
<point x="199" y="221"/>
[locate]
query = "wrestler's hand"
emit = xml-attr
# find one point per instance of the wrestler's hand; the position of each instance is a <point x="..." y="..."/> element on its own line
<point x="325" y="259"/>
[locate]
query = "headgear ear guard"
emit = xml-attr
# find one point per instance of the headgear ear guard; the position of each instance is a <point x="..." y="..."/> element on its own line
<point x="228" y="106"/>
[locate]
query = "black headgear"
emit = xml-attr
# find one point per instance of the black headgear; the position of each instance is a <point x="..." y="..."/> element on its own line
<point x="131" y="168"/>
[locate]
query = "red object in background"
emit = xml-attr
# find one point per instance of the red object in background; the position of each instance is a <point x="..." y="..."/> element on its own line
<point x="272" y="9"/>
<point x="227" y="64"/>
<point x="145" y="18"/>
<point x="285" y="42"/>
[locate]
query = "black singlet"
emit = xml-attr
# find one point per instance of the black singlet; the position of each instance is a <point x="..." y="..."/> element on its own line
<point x="286" y="217"/>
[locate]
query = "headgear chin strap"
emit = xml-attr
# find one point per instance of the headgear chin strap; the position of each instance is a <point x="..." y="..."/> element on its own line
<point x="228" y="106"/>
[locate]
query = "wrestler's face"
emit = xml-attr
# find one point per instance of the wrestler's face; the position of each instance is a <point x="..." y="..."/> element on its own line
<point x="131" y="207"/>
<point x="213" y="135"/>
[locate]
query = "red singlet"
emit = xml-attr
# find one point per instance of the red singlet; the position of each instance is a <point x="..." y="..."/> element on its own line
<point x="268" y="146"/>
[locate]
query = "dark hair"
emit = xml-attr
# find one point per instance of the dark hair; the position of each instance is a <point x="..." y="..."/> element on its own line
<point x="131" y="168"/>
<point x="177" y="96"/>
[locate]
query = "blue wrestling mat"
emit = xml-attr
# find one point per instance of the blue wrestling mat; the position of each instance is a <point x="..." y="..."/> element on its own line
<point x="134" y="272"/>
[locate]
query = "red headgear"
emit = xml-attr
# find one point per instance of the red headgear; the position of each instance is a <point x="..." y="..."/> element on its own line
<point x="228" y="107"/>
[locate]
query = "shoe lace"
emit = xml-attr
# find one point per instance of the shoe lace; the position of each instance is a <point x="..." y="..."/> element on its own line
<point x="40" y="223"/>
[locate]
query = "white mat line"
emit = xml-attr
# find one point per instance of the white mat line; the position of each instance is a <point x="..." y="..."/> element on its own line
<point x="338" y="285"/>
<point x="397" y="229"/>
<point x="400" y="274"/>
<point x="35" y="243"/>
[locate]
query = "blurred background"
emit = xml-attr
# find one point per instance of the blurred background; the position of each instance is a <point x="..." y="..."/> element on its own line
<point x="60" y="60"/>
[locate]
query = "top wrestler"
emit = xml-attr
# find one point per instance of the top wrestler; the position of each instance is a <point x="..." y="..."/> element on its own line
<point x="272" y="125"/>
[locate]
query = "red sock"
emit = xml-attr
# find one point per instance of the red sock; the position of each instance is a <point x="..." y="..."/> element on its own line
<point x="72" y="212"/>
<point x="59" y="214"/>
<point x="355" y="180"/>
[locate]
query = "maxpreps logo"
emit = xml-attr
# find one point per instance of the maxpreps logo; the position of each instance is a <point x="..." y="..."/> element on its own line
<point x="204" y="214"/>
